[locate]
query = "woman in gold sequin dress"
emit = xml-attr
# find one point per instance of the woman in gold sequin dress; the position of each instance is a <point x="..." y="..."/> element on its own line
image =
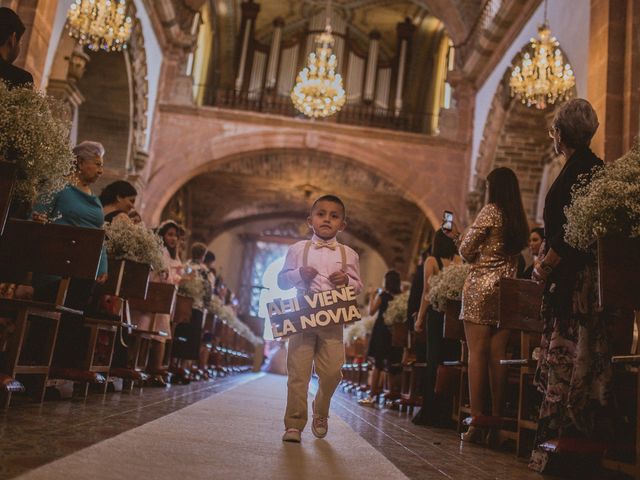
<point x="491" y="245"/>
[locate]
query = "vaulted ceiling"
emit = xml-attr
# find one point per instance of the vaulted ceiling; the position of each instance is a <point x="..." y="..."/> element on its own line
<point x="283" y="184"/>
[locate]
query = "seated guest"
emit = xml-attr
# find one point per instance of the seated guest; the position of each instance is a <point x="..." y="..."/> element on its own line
<point x="536" y="237"/>
<point x="11" y="31"/>
<point x="170" y="233"/>
<point x="74" y="205"/>
<point x="117" y="200"/>
<point x="491" y="245"/>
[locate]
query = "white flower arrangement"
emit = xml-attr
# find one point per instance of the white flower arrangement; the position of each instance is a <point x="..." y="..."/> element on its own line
<point x="359" y="329"/>
<point x="128" y="241"/>
<point x="34" y="135"/>
<point x="192" y="286"/>
<point x="447" y="285"/>
<point x="397" y="310"/>
<point x="608" y="204"/>
<point x="228" y="316"/>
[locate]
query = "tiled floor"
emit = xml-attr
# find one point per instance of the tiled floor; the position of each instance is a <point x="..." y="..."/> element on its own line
<point x="32" y="435"/>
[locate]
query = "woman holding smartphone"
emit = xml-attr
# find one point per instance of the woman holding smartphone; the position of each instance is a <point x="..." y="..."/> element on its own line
<point x="492" y="246"/>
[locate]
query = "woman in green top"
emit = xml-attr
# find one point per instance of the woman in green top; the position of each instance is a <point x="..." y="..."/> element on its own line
<point x="74" y="205"/>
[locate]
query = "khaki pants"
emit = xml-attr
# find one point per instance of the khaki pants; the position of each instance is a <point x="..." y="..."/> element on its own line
<point x="324" y="349"/>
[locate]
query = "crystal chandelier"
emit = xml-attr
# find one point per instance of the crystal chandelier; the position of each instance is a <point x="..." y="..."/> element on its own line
<point x="542" y="77"/>
<point x="100" y="24"/>
<point x="318" y="91"/>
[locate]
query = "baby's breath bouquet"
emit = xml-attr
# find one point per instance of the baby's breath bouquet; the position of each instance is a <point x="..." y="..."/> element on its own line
<point x="359" y="329"/>
<point x="128" y="241"/>
<point x="608" y="204"/>
<point x="447" y="285"/>
<point x="192" y="286"/>
<point x="34" y="135"/>
<point x="397" y="310"/>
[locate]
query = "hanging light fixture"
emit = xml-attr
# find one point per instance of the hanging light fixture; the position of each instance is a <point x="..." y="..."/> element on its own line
<point x="100" y="24"/>
<point x="318" y="91"/>
<point x="542" y="77"/>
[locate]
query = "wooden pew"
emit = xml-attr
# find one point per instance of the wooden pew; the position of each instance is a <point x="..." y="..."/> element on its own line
<point x="60" y="250"/>
<point x="453" y="329"/>
<point x="104" y="328"/>
<point x="520" y="302"/>
<point x="161" y="299"/>
<point x="127" y="279"/>
<point x="412" y="375"/>
<point x="181" y="332"/>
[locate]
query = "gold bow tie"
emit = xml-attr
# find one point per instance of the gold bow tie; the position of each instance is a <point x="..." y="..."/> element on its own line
<point x="329" y="245"/>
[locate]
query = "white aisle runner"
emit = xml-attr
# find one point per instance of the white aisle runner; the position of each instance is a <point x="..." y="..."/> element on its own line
<point x="232" y="435"/>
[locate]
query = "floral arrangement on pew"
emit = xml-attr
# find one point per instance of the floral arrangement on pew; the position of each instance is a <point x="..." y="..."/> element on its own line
<point x="359" y="329"/>
<point x="128" y="241"/>
<point x="192" y="286"/>
<point x="609" y="204"/>
<point x="447" y="285"/>
<point x="228" y="315"/>
<point x="34" y="135"/>
<point x="397" y="310"/>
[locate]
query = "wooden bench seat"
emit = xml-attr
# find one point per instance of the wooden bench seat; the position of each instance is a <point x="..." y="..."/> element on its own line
<point x="60" y="250"/>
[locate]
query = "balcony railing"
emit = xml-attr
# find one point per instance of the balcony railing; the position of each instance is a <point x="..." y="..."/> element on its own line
<point x="351" y="114"/>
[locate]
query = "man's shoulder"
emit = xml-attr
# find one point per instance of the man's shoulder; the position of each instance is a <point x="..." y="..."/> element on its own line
<point x="298" y="245"/>
<point x="15" y="76"/>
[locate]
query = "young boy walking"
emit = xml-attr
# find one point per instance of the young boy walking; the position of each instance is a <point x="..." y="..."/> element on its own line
<point x="317" y="265"/>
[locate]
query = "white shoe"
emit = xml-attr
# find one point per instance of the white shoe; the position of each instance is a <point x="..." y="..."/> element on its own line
<point x="320" y="426"/>
<point x="291" y="435"/>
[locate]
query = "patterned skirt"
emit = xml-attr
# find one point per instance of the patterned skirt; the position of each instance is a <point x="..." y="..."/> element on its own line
<point x="574" y="370"/>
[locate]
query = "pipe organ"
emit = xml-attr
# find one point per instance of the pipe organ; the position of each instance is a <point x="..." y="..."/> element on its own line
<point x="370" y="76"/>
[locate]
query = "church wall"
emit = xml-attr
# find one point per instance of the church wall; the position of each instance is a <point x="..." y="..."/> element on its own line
<point x="569" y="23"/>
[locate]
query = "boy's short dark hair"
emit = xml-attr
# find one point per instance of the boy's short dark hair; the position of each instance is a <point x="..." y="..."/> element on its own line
<point x="198" y="250"/>
<point x="332" y="199"/>
<point x="10" y="23"/>
<point x="209" y="257"/>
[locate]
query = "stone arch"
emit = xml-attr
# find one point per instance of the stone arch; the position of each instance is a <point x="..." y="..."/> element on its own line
<point x="107" y="98"/>
<point x="191" y="141"/>
<point x="277" y="183"/>
<point x="515" y="136"/>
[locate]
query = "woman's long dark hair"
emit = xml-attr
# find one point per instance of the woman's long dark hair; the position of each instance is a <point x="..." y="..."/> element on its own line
<point x="392" y="282"/>
<point x="504" y="192"/>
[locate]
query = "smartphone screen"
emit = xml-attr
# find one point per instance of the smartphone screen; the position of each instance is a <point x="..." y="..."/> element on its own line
<point x="447" y="220"/>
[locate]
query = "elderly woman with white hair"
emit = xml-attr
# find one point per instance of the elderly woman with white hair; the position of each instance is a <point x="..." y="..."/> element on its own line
<point x="574" y="370"/>
<point x="74" y="205"/>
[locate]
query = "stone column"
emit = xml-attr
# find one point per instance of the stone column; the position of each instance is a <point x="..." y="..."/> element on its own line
<point x="249" y="14"/>
<point x="606" y="74"/>
<point x="66" y="89"/>
<point x="274" y="54"/>
<point x="405" y="32"/>
<point x="372" y="67"/>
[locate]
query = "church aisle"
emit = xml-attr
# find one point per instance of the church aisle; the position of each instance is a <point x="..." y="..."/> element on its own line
<point x="426" y="452"/>
<point x="235" y="434"/>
